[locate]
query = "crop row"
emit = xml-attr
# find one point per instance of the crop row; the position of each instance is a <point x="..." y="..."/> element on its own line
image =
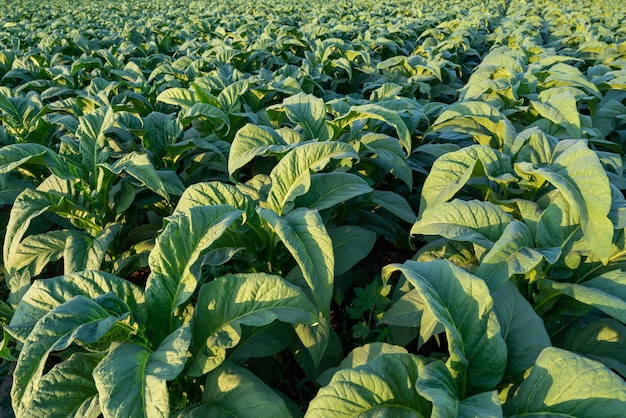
<point x="270" y="209"/>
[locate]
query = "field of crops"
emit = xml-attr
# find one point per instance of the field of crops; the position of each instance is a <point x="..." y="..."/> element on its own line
<point x="271" y="208"/>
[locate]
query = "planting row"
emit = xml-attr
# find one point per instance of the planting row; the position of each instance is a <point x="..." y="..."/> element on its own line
<point x="411" y="209"/>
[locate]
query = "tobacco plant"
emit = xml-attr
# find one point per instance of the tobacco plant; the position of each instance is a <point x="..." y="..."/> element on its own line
<point x="408" y="209"/>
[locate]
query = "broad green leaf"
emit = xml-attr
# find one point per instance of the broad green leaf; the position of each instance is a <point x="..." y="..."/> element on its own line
<point x="558" y="225"/>
<point x="172" y="184"/>
<point x="562" y="74"/>
<point x="580" y="177"/>
<point x="462" y="304"/>
<point x="534" y="146"/>
<point x="79" y="319"/>
<point x="562" y="383"/>
<point x="257" y="188"/>
<point x="56" y="185"/>
<point x="14" y="155"/>
<point x="141" y="169"/>
<point x="65" y="168"/>
<point x="451" y="172"/>
<point x="601" y="339"/>
<point x="261" y="341"/>
<point x="486" y="124"/>
<point x="283" y="84"/>
<point x="309" y="112"/>
<point x="481" y="223"/>
<point x="206" y="146"/>
<point x="17" y="111"/>
<point x="254" y="141"/>
<point x="68" y="390"/>
<point x="606" y="292"/>
<point x="131" y="378"/>
<point x="511" y="59"/>
<point x="608" y="111"/>
<point x="206" y="111"/>
<point x="522" y="329"/>
<point x="351" y="244"/>
<point x="201" y="411"/>
<point x="36" y="251"/>
<point x="161" y="131"/>
<point x="291" y="177"/>
<point x="174" y="261"/>
<point x="561" y="110"/>
<point x="254" y="299"/>
<point x="93" y="144"/>
<point x="411" y="313"/>
<point x="384" y="386"/>
<point x="388" y="90"/>
<point x="10" y="187"/>
<point x="436" y="384"/>
<point x="315" y="338"/>
<point x="378" y="112"/>
<point x="617" y="214"/>
<point x="406" y="311"/>
<point x="330" y="189"/>
<point x="83" y="252"/>
<point x="169" y="359"/>
<point x="304" y="234"/>
<point x="486" y="404"/>
<point x="381" y="223"/>
<point x="232" y="391"/>
<point x="230" y="97"/>
<point x="387" y="153"/>
<point x="317" y="346"/>
<point x="178" y="97"/>
<point x="123" y="196"/>
<point x="84" y="63"/>
<point x="202" y="88"/>
<point x="529" y="212"/>
<point x="394" y="203"/>
<point x="291" y="136"/>
<point x="513" y="253"/>
<point x="29" y="205"/>
<point x="461" y="253"/>
<point x="5" y="351"/>
<point x="124" y="121"/>
<point x="360" y="356"/>
<point x="215" y="193"/>
<point x="331" y="356"/>
<point x="45" y="295"/>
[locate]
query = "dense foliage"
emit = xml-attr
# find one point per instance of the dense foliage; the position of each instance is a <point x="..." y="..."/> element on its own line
<point x="276" y="208"/>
